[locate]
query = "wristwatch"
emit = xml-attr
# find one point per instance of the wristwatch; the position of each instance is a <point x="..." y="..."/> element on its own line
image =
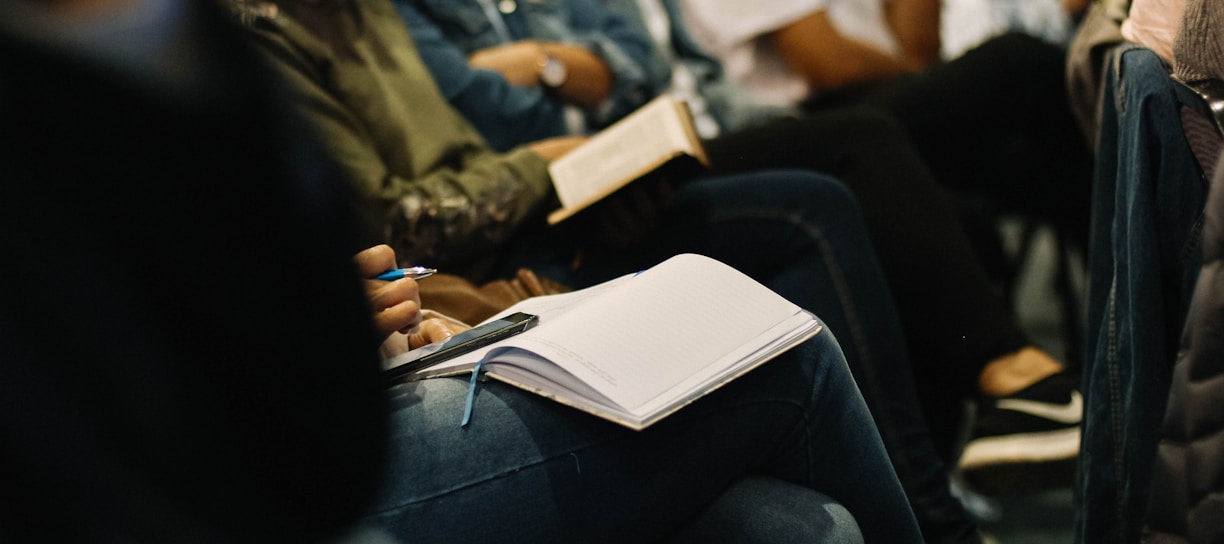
<point x="553" y="72"/>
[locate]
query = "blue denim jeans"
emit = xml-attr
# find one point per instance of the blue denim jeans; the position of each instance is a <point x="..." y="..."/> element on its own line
<point x="802" y="235"/>
<point x="1148" y="197"/>
<point x="757" y="508"/>
<point x="527" y="469"/>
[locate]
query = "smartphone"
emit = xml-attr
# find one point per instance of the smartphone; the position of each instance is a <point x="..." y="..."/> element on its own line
<point x="464" y="342"/>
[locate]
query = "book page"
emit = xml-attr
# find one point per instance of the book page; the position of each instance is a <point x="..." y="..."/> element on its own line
<point x="775" y="341"/>
<point x="635" y="145"/>
<point x="637" y="348"/>
<point x="659" y="329"/>
<point x="548" y="308"/>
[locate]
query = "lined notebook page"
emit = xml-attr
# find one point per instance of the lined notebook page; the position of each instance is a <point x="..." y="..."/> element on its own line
<point x="660" y="328"/>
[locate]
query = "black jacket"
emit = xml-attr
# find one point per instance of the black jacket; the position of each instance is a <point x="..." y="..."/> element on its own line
<point x="1187" y="500"/>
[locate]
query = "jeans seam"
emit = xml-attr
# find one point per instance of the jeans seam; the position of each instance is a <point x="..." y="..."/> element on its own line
<point x="816" y="235"/>
<point x="1115" y="405"/>
<point x="884" y="422"/>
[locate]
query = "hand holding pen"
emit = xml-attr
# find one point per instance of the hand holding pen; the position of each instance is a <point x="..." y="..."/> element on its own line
<point x="396" y="304"/>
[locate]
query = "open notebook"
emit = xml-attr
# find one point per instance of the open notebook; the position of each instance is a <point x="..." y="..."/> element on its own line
<point x="637" y="348"/>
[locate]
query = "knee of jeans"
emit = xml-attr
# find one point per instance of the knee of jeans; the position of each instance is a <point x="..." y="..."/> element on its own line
<point x="818" y="197"/>
<point x="803" y="192"/>
<point x="823" y="353"/>
<point x="765" y="509"/>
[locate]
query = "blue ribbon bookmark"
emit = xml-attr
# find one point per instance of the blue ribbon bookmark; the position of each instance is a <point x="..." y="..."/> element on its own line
<point x="471" y="395"/>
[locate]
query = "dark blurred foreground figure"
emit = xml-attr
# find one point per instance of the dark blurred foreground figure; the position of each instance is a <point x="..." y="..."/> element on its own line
<point x="188" y="355"/>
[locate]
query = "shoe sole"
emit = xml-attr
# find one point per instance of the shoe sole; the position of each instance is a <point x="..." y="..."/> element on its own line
<point x="1021" y="464"/>
<point x="1021" y="448"/>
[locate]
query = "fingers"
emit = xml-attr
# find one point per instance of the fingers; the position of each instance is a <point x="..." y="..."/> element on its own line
<point x="375" y="260"/>
<point x="401" y="317"/>
<point x="396" y="304"/>
<point x="433" y="330"/>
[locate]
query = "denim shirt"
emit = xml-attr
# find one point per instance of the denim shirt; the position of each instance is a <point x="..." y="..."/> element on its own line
<point x="446" y="32"/>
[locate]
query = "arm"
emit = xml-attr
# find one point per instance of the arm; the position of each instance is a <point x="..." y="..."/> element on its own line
<point x="506" y="115"/>
<point x="503" y="97"/>
<point x="639" y="72"/>
<point x="915" y="25"/>
<point x="813" y="48"/>
<point x="589" y="81"/>
<point x="469" y="200"/>
<point x="612" y="64"/>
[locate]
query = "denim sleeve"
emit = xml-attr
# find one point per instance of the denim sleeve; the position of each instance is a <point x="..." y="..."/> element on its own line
<point x="639" y="72"/>
<point x="506" y="115"/>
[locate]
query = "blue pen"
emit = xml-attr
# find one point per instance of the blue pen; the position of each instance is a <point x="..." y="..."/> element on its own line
<point x="416" y="273"/>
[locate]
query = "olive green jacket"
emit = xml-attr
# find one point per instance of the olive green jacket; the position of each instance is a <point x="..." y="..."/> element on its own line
<point x="429" y="184"/>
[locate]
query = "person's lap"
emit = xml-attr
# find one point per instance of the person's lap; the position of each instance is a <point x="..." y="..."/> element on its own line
<point x="528" y="469"/>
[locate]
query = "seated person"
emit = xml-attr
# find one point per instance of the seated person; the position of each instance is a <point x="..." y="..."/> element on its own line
<point x="962" y="337"/>
<point x="558" y="475"/>
<point x="452" y="200"/>
<point x="993" y="123"/>
<point x="188" y="354"/>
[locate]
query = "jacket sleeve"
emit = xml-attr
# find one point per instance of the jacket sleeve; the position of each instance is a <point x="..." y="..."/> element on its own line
<point x="449" y="214"/>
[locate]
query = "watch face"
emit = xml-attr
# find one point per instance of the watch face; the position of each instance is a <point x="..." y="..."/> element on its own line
<point x="553" y="72"/>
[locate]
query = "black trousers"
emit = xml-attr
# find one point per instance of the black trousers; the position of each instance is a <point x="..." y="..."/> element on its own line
<point x="953" y="315"/>
<point x="994" y="124"/>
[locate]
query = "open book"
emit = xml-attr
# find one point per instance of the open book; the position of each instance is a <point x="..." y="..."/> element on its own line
<point x="654" y="135"/>
<point x="637" y="348"/>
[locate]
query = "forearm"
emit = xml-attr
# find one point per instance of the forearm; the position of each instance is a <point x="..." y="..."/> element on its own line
<point x="814" y="49"/>
<point x="915" y="25"/>
<point x="589" y="82"/>
<point x="612" y="66"/>
<point x="639" y="71"/>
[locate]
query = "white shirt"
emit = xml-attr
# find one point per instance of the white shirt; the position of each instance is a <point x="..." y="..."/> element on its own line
<point x="965" y="24"/>
<point x="734" y="32"/>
